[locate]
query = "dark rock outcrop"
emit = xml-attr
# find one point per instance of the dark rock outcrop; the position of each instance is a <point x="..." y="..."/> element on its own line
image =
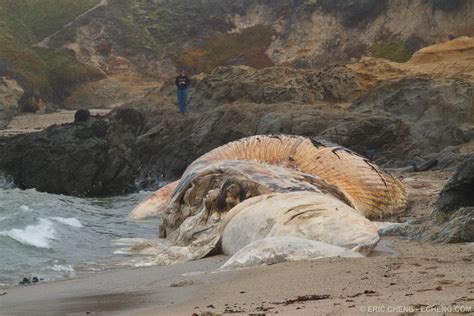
<point x="440" y="113"/>
<point x="170" y="141"/>
<point x="90" y="158"/>
<point x="334" y="83"/>
<point x="459" y="191"/>
<point x="270" y="85"/>
<point x="448" y="5"/>
<point x="459" y="227"/>
<point x="416" y="122"/>
<point x="453" y="218"/>
<point x="385" y="138"/>
<point x="62" y="159"/>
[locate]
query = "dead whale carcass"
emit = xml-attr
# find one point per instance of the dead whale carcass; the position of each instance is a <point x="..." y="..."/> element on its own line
<point x="155" y="204"/>
<point x="283" y="249"/>
<point x="309" y="215"/>
<point x="364" y="186"/>
<point x="369" y="189"/>
<point x="209" y="189"/>
<point x="219" y="190"/>
<point x="205" y="193"/>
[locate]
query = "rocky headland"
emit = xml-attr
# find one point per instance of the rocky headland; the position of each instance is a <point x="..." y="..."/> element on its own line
<point x="415" y="116"/>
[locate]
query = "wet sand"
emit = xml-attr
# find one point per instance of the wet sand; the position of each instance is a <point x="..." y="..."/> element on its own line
<point x="107" y="292"/>
<point x="405" y="277"/>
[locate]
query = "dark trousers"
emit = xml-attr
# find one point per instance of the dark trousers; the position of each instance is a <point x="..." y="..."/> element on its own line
<point x="182" y="100"/>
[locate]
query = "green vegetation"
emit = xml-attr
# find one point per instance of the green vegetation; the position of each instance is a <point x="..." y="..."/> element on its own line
<point x="25" y="22"/>
<point x="28" y="21"/>
<point x="247" y="48"/>
<point x="394" y="51"/>
<point x="44" y="17"/>
<point x="157" y="24"/>
<point x="163" y="26"/>
<point x="27" y="65"/>
<point x="63" y="71"/>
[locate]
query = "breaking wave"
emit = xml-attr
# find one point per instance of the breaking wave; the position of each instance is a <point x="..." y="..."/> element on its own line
<point x="39" y="235"/>
<point x="74" y="222"/>
<point x="56" y="236"/>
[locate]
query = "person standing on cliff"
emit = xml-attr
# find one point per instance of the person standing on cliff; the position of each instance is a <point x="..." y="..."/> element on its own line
<point x="182" y="83"/>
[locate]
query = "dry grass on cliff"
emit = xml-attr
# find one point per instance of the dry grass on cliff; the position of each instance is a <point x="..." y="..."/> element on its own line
<point x="448" y="59"/>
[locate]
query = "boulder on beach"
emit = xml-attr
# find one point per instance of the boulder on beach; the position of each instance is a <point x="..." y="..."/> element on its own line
<point x="82" y="116"/>
<point x="454" y="213"/>
<point x="459" y="190"/>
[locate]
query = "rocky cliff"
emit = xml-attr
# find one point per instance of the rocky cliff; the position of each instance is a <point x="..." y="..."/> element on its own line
<point x="153" y="37"/>
<point x="418" y="114"/>
<point x="106" y="53"/>
<point x="363" y="74"/>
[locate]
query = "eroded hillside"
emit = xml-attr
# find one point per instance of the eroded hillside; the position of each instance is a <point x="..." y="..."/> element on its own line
<point x="106" y="53"/>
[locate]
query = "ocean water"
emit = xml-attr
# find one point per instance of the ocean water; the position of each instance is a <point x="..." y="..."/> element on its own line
<point x="55" y="236"/>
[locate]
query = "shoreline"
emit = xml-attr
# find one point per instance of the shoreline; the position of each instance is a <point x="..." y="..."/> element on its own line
<point x="420" y="277"/>
<point x="407" y="274"/>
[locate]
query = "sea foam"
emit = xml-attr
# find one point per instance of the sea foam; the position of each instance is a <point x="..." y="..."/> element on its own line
<point x="62" y="268"/>
<point x="6" y="182"/>
<point x="25" y="208"/>
<point x="74" y="222"/>
<point x="38" y="235"/>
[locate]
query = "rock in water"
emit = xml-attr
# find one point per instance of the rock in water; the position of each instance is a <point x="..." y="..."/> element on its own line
<point x="282" y="249"/>
<point x="309" y="215"/>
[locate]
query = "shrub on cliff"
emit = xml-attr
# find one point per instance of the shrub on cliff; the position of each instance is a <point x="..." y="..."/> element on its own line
<point x="394" y="51"/>
<point x="246" y="48"/>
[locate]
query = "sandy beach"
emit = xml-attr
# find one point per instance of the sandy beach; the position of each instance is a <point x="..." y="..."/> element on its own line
<point x="30" y="122"/>
<point x="401" y="277"/>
